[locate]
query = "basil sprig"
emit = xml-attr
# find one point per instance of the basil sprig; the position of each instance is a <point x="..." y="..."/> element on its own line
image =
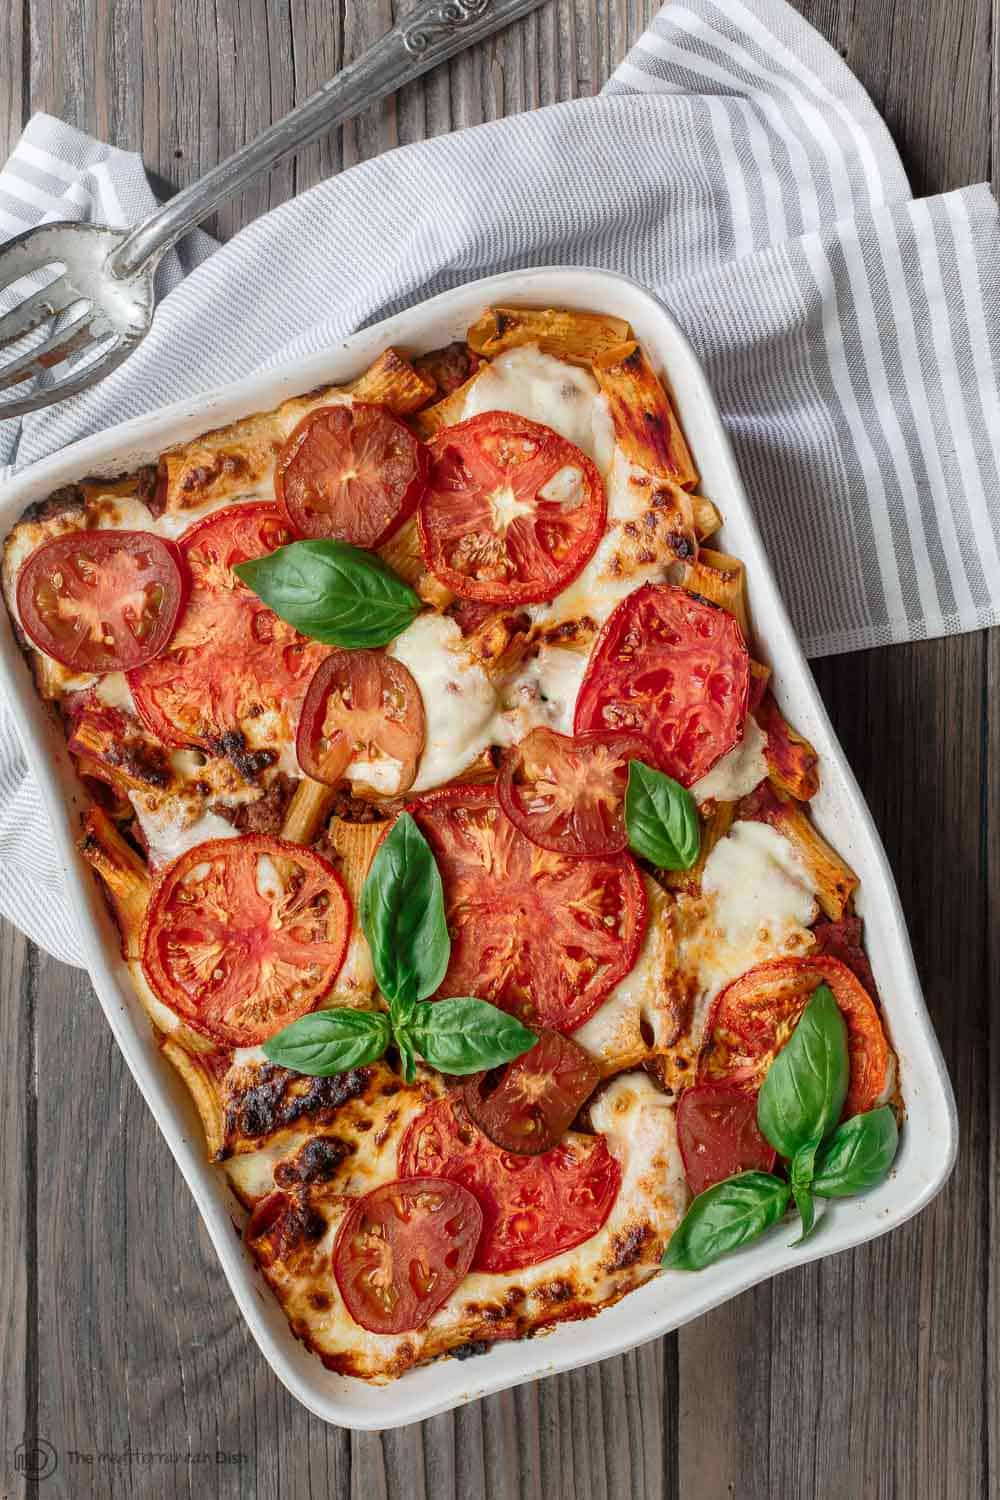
<point x="661" y="818"/>
<point x="333" y="592"/>
<point x="403" y="918"/>
<point x="798" y="1107"/>
<point x="803" y="1094"/>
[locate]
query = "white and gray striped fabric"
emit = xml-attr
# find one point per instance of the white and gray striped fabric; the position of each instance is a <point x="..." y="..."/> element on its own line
<point x="734" y="166"/>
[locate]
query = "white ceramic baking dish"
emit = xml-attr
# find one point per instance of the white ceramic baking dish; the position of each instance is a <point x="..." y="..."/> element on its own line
<point x="930" y="1137"/>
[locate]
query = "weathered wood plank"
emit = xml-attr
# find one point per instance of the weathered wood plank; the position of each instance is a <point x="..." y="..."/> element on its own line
<point x="18" y="1218"/>
<point x="18" y="1158"/>
<point x="988" y="1121"/>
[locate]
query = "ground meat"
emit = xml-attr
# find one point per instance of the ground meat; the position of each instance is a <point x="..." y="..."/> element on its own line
<point x="267" y="814"/>
<point x="356" y="810"/>
<point x="449" y="367"/>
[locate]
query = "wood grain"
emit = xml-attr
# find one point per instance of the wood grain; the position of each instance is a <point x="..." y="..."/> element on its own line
<point x="874" y="1374"/>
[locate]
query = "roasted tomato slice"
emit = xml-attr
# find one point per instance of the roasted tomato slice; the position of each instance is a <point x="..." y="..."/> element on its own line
<point x="526" y="1106"/>
<point x="533" y="1207"/>
<point x="718" y="1135"/>
<point x="752" y="1019"/>
<point x="362" y="706"/>
<point x="536" y="933"/>
<point x="512" y="511"/>
<point x="102" y="601"/>
<point x="233" y="668"/>
<point x="244" y="935"/>
<point x="672" y="667"/>
<point x="351" y="471"/>
<point x="567" y="792"/>
<point x="402" y="1250"/>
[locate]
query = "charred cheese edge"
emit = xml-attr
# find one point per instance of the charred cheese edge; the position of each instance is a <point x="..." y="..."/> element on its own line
<point x="293" y="1236"/>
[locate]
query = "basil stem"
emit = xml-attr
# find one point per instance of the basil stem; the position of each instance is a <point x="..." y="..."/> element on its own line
<point x="801" y="1178"/>
<point x="330" y="1041"/>
<point x="333" y="592"/>
<point x="661" y="818"/>
<point x="407" y="1057"/>
<point x="402" y="916"/>
<point x="724" y="1217"/>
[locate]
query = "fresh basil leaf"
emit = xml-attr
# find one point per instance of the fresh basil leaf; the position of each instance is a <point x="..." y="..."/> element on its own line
<point x="724" y="1217"/>
<point x="467" y="1035"/>
<point x="330" y="1041"/>
<point x="333" y="592"/>
<point x="857" y="1155"/>
<point x="804" y="1091"/>
<point x="661" y="818"/>
<point x="402" y="916"/>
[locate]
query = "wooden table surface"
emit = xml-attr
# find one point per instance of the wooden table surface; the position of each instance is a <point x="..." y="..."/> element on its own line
<point x="870" y="1374"/>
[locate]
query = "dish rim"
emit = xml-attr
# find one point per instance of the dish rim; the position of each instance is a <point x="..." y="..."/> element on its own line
<point x="429" y="1390"/>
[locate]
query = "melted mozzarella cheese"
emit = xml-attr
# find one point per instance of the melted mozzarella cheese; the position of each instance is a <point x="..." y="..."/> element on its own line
<point x="274" y="729"/>
<point x="636" y="1120"/>
<point x="460" y="702"/>
<point x="381" y="775"/>
<point x="113" y="689"/>
<point x="546" y="687"/>
<point x="177" y="826"/>
<point x="548" y="390"/>
<point x="613" y="571"/>
<point x="760" y="901"/>
<point x="646" y="1010"/>
<point x="736" y="774"/>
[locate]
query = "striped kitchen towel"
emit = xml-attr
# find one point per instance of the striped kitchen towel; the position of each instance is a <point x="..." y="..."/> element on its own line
<point x="733" y="165"/>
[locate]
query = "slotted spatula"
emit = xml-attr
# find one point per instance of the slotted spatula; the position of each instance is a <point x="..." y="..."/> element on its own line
<point x="89" y="298"/>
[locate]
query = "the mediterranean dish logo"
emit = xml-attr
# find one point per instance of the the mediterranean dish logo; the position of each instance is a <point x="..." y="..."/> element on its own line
<point x="37" y="1459"/>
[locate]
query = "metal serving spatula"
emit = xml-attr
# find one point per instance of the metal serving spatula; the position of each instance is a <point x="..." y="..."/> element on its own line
<point x="88" y="299"/>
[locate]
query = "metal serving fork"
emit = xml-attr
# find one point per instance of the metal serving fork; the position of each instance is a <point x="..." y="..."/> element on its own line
<point x="97" y="304"/>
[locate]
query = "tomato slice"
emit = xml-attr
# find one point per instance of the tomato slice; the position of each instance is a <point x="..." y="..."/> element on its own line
<point x="351" y="471"/>
<point x="537" y="933"/>
<point x="244" y="935"/>
<point x="718" y="1135"/>
<point x="102" y="601"/>
<point x="673" y="667"/>
<point x="567" y="793"/>
<point x="402" y="1250"/>
<point x="533" y="1207"/>
<point x="512" y="511"/>
<point x="232" y="666"/>
<point x="754" y="1016"/>
<point x="362" y="706"/>
<point x="526" y="1106"/>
